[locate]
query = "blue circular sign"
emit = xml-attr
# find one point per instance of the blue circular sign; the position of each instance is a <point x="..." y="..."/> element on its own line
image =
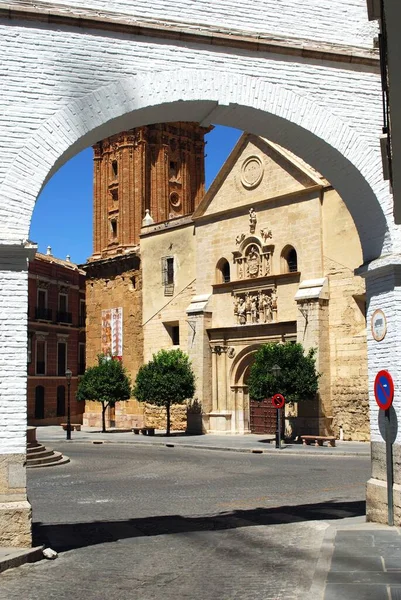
<point x="384" y="389"/>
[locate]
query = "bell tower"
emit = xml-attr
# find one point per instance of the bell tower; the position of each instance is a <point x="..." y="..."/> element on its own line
<point x="158" y="167"/>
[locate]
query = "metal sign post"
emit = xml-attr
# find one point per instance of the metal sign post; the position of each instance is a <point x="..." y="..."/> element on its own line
<point x="389" y="465"/>
<point x="384" y="394"/>
<point x="278" y="401"/>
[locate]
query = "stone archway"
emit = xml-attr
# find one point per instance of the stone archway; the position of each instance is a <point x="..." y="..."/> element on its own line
<point x="205" y="97"/>
<point x="239" y="390"/>
<point x="303" y="121"/>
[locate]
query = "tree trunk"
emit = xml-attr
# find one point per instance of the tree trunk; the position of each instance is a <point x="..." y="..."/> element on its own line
<point x="168" y="418"/>
<point x="104" y="406"/>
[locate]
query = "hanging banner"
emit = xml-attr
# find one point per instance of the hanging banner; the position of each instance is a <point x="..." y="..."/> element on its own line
<point x="112" y="331"/>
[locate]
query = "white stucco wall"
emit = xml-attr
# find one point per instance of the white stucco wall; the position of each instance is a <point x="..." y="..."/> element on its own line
<point x="342" y="21"/>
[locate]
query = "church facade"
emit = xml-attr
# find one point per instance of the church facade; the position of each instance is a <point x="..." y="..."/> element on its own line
<point x="266" y="255"/>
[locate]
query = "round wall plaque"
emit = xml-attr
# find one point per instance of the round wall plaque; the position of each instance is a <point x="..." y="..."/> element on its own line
<point x="378" y="325"/>
<point x="251" y="172"/>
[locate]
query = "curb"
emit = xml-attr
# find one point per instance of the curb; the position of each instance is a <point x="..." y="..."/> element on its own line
<point x="170" y="444"/>
<point x="318" y="587"/>
<point x="18" y="557"/>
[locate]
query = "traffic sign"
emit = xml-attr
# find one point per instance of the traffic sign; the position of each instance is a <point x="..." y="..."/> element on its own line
<point x="278" y="400"/>
<point x="384" y="389"/>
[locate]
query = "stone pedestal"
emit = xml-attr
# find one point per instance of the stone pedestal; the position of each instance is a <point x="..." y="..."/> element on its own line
<point x="220" y="422"/>
<point x="15" y="510"/>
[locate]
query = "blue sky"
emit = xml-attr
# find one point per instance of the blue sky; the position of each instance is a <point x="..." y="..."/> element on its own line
<point x="62" y="217"/>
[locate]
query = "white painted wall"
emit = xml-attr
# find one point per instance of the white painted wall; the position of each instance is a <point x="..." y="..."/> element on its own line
<point x="338" y="21"/>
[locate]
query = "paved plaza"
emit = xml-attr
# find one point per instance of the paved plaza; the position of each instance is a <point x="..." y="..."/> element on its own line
<point x="153" y="522"/>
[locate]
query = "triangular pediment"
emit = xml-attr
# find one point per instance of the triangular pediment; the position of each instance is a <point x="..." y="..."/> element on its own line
<point x="256" y="170"/>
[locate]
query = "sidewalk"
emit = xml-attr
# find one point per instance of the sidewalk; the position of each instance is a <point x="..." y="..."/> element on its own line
<point x="11" y="557"/>
<point x="359" y="561"/>
<point x="235" y="443"/>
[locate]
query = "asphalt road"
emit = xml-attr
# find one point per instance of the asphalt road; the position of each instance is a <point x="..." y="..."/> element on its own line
<point x="157" y="523"/>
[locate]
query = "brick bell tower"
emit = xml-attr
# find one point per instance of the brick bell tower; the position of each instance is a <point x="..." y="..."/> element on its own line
<point x="159" y="168"/>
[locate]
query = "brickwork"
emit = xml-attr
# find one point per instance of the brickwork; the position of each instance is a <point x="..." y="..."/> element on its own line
<point x="159" y="168"/>
<point x="335" y="131"/>
<point x="48" y="325"/>
<point x="115" y="283"/>
<point x="346" y="25"/>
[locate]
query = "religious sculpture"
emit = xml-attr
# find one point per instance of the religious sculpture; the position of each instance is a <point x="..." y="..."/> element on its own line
<point x="252" y="220"/>
<point x="255" y="307"/>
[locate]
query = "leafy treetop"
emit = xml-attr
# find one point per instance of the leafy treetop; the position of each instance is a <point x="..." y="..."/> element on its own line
<point x="167" y="379"/>
<point x="297" y="380"/>
<point x="107" y="382"/>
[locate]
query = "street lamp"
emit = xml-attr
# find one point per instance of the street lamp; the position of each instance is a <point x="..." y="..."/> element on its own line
<point x="276" y="370"/>
<point x="68" y="375"/>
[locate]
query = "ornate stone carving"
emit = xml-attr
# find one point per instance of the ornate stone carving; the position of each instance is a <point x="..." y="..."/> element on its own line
<point x="240" y="238"/>
<point x="256" y="306"/>
<point x="266" y="234"/>
<point x="253" y="262"/>
<point x="251" y="172"/>
<point x="252" y="220"/>
<point x="253" y="258"/>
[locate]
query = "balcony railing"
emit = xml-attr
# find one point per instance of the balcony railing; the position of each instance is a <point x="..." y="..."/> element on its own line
<point x="46" y="314"/>
<point x="64" y="317"/>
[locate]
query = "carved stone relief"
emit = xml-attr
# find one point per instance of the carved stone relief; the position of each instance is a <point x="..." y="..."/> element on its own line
<point x="255" y="307"/>
<point x="251" y="172"/>
<point x="253" y="259"/>
<point x="252" y="220"/>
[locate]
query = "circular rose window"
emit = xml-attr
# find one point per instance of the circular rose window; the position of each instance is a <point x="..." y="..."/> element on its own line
<point x="175" y="200"/>
<point x="251" y="172"/>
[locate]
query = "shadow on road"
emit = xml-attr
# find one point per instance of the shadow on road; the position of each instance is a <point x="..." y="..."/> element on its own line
<point x="69" y="536"/>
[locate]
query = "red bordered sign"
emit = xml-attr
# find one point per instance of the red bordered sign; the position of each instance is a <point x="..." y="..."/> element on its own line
<point x="384" y="389"/>
<point x="278" y="400"/>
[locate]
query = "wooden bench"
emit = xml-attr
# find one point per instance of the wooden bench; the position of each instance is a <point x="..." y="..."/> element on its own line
<point x="318" y="440"/>
<point x="74" y="426"/>
<point x="144" y="430"/>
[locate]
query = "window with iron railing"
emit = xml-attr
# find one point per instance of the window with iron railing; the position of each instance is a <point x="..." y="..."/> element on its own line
<point x="64" y="317"/>
<point x="44" y="314"/>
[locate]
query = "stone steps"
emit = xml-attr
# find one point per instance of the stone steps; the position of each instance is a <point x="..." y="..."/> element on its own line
<point x="38" y="455"/>
<point x="49" y="460"/>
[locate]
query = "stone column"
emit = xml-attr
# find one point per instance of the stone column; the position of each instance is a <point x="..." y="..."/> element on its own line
<point x="383" y="291"/>
<point x="313" y="332"/>
<point x="199" y="320"/>
<point x="15" y="510"/>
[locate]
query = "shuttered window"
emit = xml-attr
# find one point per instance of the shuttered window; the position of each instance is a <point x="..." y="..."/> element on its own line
<point x="167" y="264"/>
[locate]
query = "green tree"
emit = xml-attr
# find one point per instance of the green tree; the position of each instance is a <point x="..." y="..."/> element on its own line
<point x="167" y="379"/>
<point x="107" y="383"/>
<point x="297" y="379"/>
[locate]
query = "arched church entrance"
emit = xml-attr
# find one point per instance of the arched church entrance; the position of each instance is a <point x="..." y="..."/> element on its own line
<point x="258" y="417"/>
